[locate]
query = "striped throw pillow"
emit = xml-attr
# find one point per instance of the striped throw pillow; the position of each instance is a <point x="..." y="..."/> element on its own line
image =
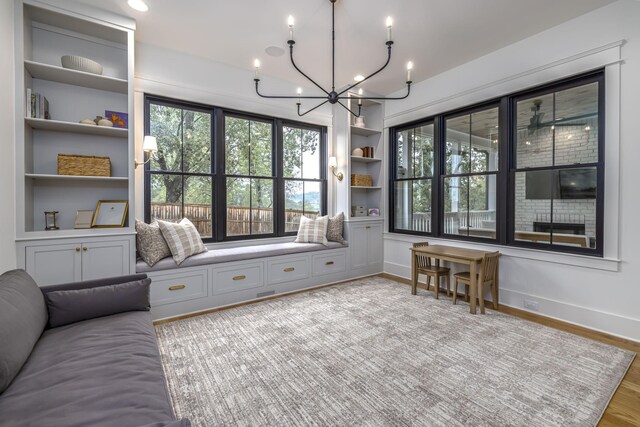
<point x="313" y="230"/>
<point x="183" y="239"/>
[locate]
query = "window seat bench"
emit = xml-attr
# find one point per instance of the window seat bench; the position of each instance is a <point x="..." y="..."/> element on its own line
<point x="227" y="276"/>
<point x="217" y="256"/>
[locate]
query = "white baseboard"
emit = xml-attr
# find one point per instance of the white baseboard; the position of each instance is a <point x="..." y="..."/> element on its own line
<point x="612" y="324"/>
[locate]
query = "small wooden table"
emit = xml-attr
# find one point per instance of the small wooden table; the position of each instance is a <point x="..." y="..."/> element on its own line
<point x="470" y="257"/>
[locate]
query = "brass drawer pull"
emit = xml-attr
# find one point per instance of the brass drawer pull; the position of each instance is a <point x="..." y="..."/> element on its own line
<point x="289" y="269"/>
<point x="84" y="248"/>
<point x="176" y="287"/>
<point x="242" y="277"/>
<point x="368" y="227"/>
<point x="328" y="263"/>
<point x="78" y="249"/>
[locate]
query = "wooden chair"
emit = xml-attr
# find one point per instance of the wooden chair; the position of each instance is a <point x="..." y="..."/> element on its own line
<point x="424" y="266"/>
<point x="488" y="276"/>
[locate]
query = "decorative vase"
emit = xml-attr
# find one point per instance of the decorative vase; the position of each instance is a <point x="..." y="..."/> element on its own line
<point x="357" y="152"/>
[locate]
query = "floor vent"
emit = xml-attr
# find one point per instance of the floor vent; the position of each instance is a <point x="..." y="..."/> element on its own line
<point x="265" y="294"/>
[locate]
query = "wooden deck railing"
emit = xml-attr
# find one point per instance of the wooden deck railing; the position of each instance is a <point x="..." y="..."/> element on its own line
<point x="240" y="220"/>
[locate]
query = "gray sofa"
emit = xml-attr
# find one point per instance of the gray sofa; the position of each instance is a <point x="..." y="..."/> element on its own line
<point x="80" y="354"/>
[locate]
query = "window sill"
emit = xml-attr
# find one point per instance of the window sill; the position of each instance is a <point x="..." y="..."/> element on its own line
<point x="584" y="261"/>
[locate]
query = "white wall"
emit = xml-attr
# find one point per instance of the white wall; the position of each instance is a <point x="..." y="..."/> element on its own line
<point x="177" y="75"/>
<point x="602" y="294"/>
<point x="7" y="143"/>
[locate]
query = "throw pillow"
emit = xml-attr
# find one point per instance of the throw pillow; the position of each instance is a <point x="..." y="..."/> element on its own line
<point x="334" y="228"/>
<point x="150" y="244"/>
<point x="313" y="230"/>
<point x="73" y="306"/>
<point x="183" y="239"/>
<point x="23" y="316"/>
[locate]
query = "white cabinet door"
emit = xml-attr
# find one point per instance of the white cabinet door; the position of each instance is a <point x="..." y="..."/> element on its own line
<point x="365" y="241"/>
<point x="374" y="244"/>
<point x="358" y="244"/>
<point x="53" y="264"/>
<point x="105" y="259"/>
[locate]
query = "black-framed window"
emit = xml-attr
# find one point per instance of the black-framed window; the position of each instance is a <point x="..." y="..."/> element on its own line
<point x="469" y="182"/>
<point x="525" y="170"/>
<point x="234" y="175"/>
<point x="413" y="177"/>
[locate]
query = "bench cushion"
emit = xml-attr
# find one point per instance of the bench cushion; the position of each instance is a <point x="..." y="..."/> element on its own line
<point x="217" y="256"/>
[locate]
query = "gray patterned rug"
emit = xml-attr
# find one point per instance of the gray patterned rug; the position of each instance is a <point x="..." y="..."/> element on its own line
<point x="369" y="353"/>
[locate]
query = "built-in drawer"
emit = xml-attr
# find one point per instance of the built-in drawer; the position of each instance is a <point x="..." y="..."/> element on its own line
<point x="180" y="286"/>
<point x="334" y="262"/>
<point x="237" y="277"/>
<point x="286" y="270"/>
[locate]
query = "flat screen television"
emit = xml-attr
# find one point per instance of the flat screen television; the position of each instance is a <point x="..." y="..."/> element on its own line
<point x="578" y="183"/>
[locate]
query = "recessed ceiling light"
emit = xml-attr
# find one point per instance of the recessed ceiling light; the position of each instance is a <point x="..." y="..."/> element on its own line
<point x="359" y="78"/>
<point x="138" y="5"/>
<point x="274" y="51"/>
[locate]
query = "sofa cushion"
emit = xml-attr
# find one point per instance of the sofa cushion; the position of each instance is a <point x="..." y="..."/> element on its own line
<point x="103" y="372"/>
<point x="149" y="242"/>
<point x="183" y="239"/>
<point x="71" y="306"/>
<point x="313" y="230"/>
<point x="217" y="256"/>
<point x="23" y="317"/>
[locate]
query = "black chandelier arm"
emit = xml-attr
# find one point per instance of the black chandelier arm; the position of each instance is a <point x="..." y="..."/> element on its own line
<point x="389" y="44"/>
<point x="308" y="111"/>
<point x="291" y="43"/>
<point x="285" y="96"/>
<point x="381" y="98"/>
<point x="349" y="110"/>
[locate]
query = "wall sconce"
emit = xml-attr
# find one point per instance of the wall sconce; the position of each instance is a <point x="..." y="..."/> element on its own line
<point x="333" y="164"/>
<point x="149" y="146"/>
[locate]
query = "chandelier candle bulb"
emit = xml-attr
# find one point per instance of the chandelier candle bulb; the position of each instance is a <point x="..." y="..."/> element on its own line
<point x="409" y="68"/>
<point x="360" y="95"/>
<point x="256" y="64"/>
<point x="389" y="25"/>
<point x="299" y="92"/>
<point x="290" y="24"/>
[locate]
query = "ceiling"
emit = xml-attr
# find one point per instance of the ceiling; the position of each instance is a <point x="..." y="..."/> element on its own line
<point x="435" y="35"/>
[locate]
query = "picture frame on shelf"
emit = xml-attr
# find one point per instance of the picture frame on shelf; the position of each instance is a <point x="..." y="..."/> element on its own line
<point x="110" y="214"/>
<point x="119" y="120"/>
<point x="83" y="219"/>
<point x="374" y="212"/>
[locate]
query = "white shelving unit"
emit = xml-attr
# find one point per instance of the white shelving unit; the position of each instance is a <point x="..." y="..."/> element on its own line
<point x="44" y="32"/>
<point x="359" y="137"/>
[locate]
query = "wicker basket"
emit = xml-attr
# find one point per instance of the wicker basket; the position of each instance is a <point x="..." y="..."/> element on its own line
<point x="75" y="164"/>
<point x="361" y="180"/>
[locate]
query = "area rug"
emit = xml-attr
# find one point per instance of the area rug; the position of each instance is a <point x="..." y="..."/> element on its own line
<point x="369" y="353"/>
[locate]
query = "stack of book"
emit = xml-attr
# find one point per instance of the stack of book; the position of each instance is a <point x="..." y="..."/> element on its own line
<point x="37" y="105"/>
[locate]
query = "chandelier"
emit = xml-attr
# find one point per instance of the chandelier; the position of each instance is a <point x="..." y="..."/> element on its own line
<point x="332" y="96"/>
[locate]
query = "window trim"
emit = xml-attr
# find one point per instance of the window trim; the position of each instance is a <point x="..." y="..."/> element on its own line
<point x="217" y="172"/>
<point x="505" y="176"/>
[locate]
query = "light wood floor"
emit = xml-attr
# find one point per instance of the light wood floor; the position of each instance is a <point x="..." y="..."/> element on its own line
<point x="624" y="408"/>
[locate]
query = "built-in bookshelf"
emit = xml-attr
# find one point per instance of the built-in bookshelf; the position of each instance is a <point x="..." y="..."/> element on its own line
<point x="369" y="139"/>
<point x="43" y="34"/>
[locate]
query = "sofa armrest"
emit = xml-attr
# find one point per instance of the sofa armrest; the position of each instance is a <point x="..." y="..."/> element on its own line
<point x="74" y="302"/>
